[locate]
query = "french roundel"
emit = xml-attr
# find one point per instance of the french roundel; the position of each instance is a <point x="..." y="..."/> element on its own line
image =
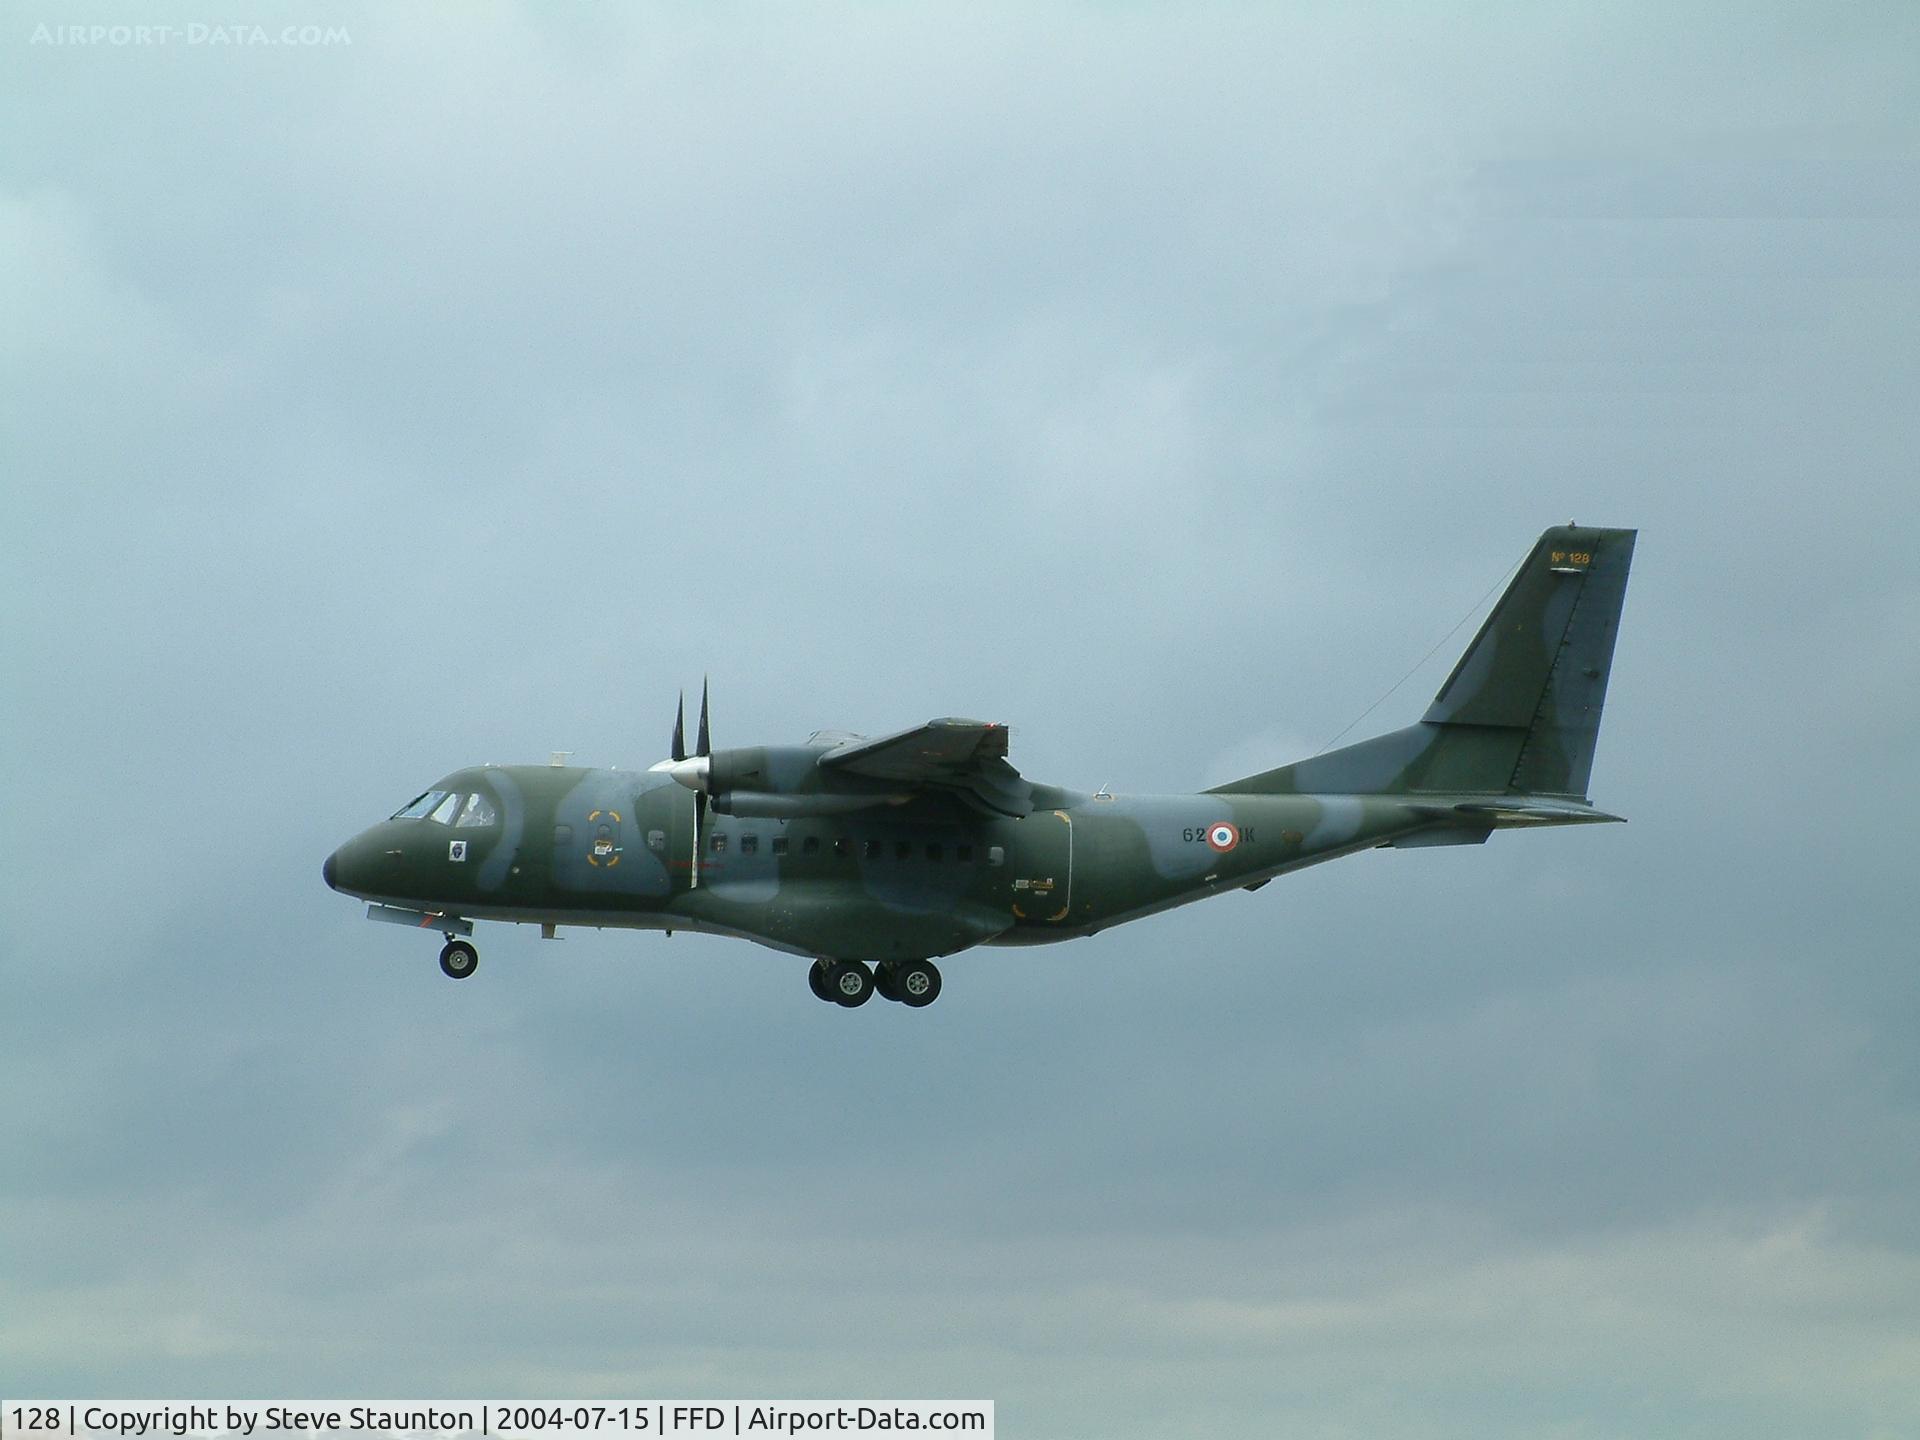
<point x="1222" y="836"/>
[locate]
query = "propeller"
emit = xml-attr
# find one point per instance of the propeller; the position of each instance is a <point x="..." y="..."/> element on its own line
<point x="703" y="749"/>
<point x="692" y="772"/>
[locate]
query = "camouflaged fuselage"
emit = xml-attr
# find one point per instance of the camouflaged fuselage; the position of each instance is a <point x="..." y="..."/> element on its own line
<point x="918" y="844"/>
<point x="575" y="846"/>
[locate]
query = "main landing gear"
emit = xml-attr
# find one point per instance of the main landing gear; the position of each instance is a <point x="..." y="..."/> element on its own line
<point x="852" y="982"/>
<point x="459" y="959"/>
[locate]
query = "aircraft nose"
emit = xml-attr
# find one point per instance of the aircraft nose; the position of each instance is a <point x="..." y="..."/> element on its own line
<point x="327" y="870"/>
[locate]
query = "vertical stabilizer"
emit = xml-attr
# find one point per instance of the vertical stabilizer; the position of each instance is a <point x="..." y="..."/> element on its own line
<point x="1540" y="662"/>
<point x="1520" y="713"/>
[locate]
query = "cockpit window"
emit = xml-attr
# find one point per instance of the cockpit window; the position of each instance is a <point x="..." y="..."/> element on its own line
<point x="419" y="805"/>
<point x="477" y="811"/>
<point x="442" y="814"/>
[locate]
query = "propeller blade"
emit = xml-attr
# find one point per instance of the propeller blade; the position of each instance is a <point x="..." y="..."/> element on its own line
<point x="680" y="729"/>
<point x="705" y="746"/>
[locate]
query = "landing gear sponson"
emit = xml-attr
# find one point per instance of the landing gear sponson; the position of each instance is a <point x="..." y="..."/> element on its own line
<point x="853" y="982"/>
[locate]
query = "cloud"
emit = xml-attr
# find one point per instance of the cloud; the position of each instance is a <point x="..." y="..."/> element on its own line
<point x="1164" y="384"/>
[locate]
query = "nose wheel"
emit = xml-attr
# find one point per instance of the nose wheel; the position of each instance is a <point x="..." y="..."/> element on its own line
<point x="459" y="959"/>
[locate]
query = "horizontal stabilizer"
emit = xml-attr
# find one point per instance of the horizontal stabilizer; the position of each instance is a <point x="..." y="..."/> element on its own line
<point x="1536" y="812"/>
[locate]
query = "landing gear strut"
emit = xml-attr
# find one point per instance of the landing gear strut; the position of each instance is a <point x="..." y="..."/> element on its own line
<point x="459" y="959"/>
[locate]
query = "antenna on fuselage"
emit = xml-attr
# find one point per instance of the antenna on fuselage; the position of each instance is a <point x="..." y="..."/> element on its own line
<point x="558" y="759"/>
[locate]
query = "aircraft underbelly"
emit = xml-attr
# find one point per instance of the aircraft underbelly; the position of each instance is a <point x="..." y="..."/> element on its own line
<point x="847" y="922"/>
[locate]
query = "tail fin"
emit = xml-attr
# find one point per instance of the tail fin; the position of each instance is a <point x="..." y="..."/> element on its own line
<point x="1540" y="662"/>
<point x="1521" y="711"/>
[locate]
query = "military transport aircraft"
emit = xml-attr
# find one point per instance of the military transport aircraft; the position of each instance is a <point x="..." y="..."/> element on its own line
<point x="875" y="857"/>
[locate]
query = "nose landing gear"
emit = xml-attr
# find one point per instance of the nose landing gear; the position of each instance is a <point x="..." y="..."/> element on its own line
<point x="459" y="959"/>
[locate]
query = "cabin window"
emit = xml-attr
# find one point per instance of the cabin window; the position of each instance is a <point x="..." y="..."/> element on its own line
<point x="442" y="814"/>
<point x="874" y="849"/>
<point x="779" y="844"/>
<point x="843" y="847"/>
<point x="934" y="852"/>
<point x="903" y="849"/>
<point x="562" y="835"/>
<point x="718" y="843"/>
<point x="657" y="841"/>
<point x="749" y="844"/>
<point x="477" y="811"/>
<point x="810" y="845"/>
<point x="963" y="853"/>
<point x="419" y="805"/>
<point x="996" y="856"/>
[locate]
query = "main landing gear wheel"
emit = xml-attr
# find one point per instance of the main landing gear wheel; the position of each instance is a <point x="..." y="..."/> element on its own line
<point x="817" y="980"/>
<point x="850" y="983"/>
<point x="459" y="959"/>
<point x="886" y="981"/>
<point x="916" y="983"/>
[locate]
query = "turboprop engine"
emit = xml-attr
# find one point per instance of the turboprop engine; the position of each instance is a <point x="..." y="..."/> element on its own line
<point x="835" y="773"/>
<point x="776" y="782"/>
<point x="781" y="783"/>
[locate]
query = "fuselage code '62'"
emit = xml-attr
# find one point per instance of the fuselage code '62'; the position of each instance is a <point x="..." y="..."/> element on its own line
<point x="1220" y="835"/>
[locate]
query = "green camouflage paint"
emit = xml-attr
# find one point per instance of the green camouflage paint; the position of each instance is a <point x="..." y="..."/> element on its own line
<point x="916" y="846"/>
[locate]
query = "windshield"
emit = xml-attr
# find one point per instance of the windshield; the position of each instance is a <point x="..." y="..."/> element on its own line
<point x="477" y="811"/>
<point x="419" y="805"/>
<point x="464" y="810"/>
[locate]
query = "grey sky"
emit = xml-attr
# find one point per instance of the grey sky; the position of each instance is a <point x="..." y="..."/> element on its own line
<point x="1163" y="382"/>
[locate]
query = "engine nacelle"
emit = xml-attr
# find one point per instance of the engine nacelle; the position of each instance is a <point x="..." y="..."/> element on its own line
<point x="782" y="783"/>
<point x="763" y="804"/>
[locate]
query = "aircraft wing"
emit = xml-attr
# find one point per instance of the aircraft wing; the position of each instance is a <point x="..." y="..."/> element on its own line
<point x="965" y="758"/>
